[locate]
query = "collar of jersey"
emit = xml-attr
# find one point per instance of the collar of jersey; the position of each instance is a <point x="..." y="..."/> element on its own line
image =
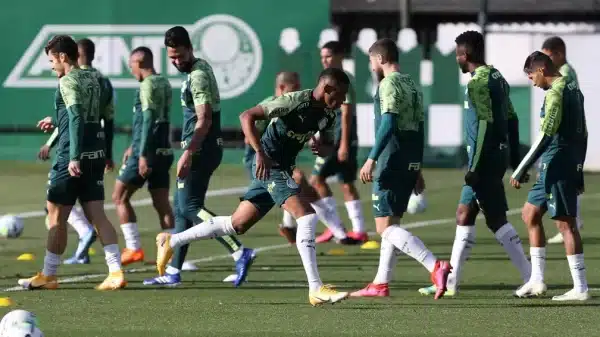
<point x="483" y="66"/>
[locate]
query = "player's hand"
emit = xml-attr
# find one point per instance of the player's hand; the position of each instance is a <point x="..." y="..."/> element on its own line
<point x="263" y="166"/>
<point x="471" y="178"/>
<point x="109" y="165"/>
<point x="342" y="153"/>
<point x="74" y="169"/>
<point x="44" y="153"/>
<point x="366" y="172"/>
<point x="515" y="183"/>
<point x="46" y="124"/>
<point x="420" y="184"/>
<point x="127" y="154"/>
<point x="144" y="170"/>
<point x="184" y="164"/>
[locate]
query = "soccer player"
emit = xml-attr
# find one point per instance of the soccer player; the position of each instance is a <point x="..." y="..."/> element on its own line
<point x="78" y="169"/>
<point x="562" y="146"/>
<point x="285" y="82"/>
<point x="202" y="153"/>
<point x="342" y="162"/>
<point x="489" y="124"/>
<point x="555" y="48"/>
<point x="397" y="153"/>
<point x="149" y="157"/>
<point x="295" y="118"/>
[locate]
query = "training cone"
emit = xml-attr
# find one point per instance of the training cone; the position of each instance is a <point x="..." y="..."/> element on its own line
<point x="5" y="302"/>
<point x="92" y="252"/>
<point x="370" y="245"/>
<point x="336" y="252"/>
<point x="26" y="257"/>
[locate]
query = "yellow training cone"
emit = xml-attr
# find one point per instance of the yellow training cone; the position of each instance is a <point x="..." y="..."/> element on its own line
<point x="5" y="302"/>
<point x="370" y="245"/>
<point x="336" y="252"/>
<point x="92" y="252"/>
<point x="26" y="257"/>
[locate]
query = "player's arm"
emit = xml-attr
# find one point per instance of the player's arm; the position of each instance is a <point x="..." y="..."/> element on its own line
<point x="347" y="109"/>
<point x="278" y="107"/>
<point x="479" y="93"/>
<point x="148" y="103"/>
<point x="203" y="101"/>
<point x="513" y="136"/>
<point x="553" y="107"/>
<point x="389" y="118"/>
<point x="108" y="119"/>
<point x="72" y="95"/>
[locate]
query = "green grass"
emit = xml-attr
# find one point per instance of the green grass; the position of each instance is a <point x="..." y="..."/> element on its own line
<point x="274" y="302"/>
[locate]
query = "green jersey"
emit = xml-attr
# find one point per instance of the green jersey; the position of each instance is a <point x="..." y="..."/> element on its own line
<point x="151" y="117"/>
<point x="200" y="87"/>
<point x="77" y="105"/>
<point x="398" y="94"/>
<point x="350" y="100"/>
<point x="567" y="71"/>
<point x="294" y="118"/>
<point x="107" y="107"/>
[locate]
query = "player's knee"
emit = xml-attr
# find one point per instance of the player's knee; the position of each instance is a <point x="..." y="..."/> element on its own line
<point x="495" y="224"/>
<point x="463" y="216"/>
<point x="530" y="215"/>
<point x="298" y="176"/>
<point x="120" y="197"/>
<point x="316" y="181"/>
<point x="566" y="224"/>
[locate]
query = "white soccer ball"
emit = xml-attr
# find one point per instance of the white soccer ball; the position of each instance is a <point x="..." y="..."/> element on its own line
<point x="11" y="226"/>
<point x="19" y="323"/>
<point x="416" y="204"/>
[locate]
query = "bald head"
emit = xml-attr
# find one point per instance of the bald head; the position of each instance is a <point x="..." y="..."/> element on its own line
<point x="286" y="81"/>
<point x="144" y="56"/>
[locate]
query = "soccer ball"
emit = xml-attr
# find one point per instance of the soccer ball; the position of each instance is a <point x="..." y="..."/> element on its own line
<point x="416" y="204"/>
<point x="19" y="323"/>
<point x="11" y="226"/>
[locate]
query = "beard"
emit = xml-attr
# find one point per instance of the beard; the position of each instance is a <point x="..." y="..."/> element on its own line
<point x="183" y="68"/>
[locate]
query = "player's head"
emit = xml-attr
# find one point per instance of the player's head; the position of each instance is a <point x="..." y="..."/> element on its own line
<point x="383" y="52"/>
<point x="555" y="48"/>
<point x="332" y="87"/>
<point x="179" y="48"/>
<point x="332" y="55"/>
<point x="61" y="51"/>
<point x="286" y="81"/>
<point x="141" y="59"/>
<point x="87" y="50"/>
<point x="470" y="50"/>
<point x="540" y="69"/>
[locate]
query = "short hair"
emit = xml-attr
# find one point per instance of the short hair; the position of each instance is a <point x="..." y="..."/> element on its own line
<point x="147" y="56"/>
<point x="177" y="37"/>
<point x="335" y="74"/>
<point x="555" y="44"/>
<point x="62" y="44"/>
<point x="287" y="77"/>
<point x="537" y="59"/>
<point x="335" y="47"/>
<point x="387" y="48"/>
<point x="88" y="47"/>
<point x="474" y="44"/>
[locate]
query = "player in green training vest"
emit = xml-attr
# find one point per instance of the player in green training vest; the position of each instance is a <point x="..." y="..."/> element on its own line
<point x="396" y="158"/>
<point x="149" y="157"/>
<point x="202" y="146"/>
<point x="343" y="163"/>
<point x="562" y="146"/>
<point x="490" y="125"/>
<point x="556" y="49"/>
<point x="78" y="168"/>
<point x="294" y="119"/>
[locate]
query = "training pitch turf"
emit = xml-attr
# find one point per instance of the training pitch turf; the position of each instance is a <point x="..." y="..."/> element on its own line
<point x="274" y="301"/>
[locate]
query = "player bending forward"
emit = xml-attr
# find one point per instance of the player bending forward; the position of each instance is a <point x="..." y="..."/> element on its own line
<point x="78" y="169"/>
<point x="295" y="118"/>
<point x="398" y="152"/>
<point x="490" y="123"/>
<point x="562" y="146"/>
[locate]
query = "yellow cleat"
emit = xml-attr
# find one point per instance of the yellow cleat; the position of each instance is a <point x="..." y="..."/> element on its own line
<point x="39" y="281"/>
<point x="114" y="281"/>
<point x="164" y="252"/>
<point x="326" y="294"/>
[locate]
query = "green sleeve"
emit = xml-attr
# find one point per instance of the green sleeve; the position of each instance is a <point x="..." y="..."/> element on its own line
<point x="75" y="132"/>
<point x="554" y="111"/>
<point x="351" y="95"/>
<point x="281" y="105"/>
<point x="148" y="102"/>
<point x="479" y="94"/>
<point x="389" y="97"/>
<point x="200" y="88"/>
<point x="384" y="133"/>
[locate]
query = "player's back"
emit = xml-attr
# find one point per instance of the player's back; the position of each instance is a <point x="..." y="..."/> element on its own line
<point x="156" y="95"/>
<point x="106" y="93"/>
<point x="350" y="100"/>
<point x="398" y="94"/>
<point x="200" y="87"/>
<point x="569" y="72"/>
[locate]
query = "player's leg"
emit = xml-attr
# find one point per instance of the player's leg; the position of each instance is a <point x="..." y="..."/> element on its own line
<point x="391" y="193"/>
<point x="86" y="234"/>
<point x="288" y="227"/>
<point x="347" y="177"/>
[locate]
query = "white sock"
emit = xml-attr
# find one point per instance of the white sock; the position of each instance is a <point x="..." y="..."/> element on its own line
<point x="238" y="253"/>
<point x="579" y="221"/>
<point x="131" y="235"/>
<point x="464" y="240"/>
<point x="214" y="227"/>
<point x="508" y="237"/>
<point x="79" y="222"/>
<point x="112" y="257"/>
<point x="354" y="209"/>
<point x="288" y="220"/>
<point x="51" y="263"/>
<point x="387" y="260"/>
<point x="410" y="245"/>
<point x="538" y="263"/>
<point x="172" y="270"/>
<point x="329" y="216"/>
<point x="305" y="241"/>
<point x="578" y="272"/>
